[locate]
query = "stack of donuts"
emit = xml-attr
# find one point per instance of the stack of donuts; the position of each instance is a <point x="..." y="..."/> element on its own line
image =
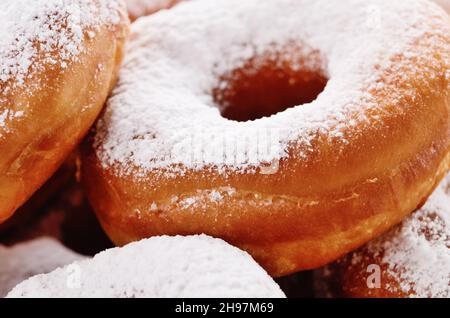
<point x="307" y="134"/>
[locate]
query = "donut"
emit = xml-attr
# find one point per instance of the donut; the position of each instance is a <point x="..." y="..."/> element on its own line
<point x="28" y="259"/>
<point x="140" y="8"/>
<point x="58" y="62"/>
<point x="412" y="260"/>
<point x="297" y="130"/>
<point x="176" y="267"/>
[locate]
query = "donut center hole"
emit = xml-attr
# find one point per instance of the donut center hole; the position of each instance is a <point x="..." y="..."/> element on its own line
<point x="264" y="87"/>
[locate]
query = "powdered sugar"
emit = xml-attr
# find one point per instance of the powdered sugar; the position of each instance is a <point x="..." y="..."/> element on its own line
<point x="176" y="58"/>
<point x="41" y="33"/>
<point x="7" y="116"/>
<point x="196" y="266"/>
<point x="417" y="253"/>
<point x="24" y="260"/>
<point x="204" y="197"/>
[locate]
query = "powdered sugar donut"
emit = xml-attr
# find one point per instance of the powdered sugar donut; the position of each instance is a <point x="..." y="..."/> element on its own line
<point x="58" y="61"/>
<point x="201" y="136"/>
<point x="412" y="260"/>
<point x="139" y="8"/>
<point x="196" y="266"/>
<point x="24" y="260"/>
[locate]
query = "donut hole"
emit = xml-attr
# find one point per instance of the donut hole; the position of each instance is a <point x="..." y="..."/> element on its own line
<point x="266" y="86"/>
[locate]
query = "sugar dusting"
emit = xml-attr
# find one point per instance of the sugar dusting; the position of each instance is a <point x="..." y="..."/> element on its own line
<point x="7" y="116"/>
<point x="25" y="260"/>
<point x="196" y="266"/>
<point x="41" y="34"/>
<point x="204" y="198"/>
<point x="417" y="253"/>
<point x="176" y="58"/>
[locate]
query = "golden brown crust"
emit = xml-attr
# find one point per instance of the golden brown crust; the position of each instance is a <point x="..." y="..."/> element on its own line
<point x="72" y="99"/>
<point x="34" y="206"/>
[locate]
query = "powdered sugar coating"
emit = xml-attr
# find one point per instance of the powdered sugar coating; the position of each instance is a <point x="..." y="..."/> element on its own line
<point x="40" y="35"/>
<point x="6" y="116"/>
<point x="163" y="99"/>
<point x="417" y="253"/>
<point x="25" y="260"/>
<point x="196" y="266"/>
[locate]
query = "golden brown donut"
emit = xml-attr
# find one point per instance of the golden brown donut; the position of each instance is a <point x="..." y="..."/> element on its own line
<point x="412" y="260"/>
<point x="140" y="8"/>
<point x="58" y="62"/>
<point x="201" y="136"/>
